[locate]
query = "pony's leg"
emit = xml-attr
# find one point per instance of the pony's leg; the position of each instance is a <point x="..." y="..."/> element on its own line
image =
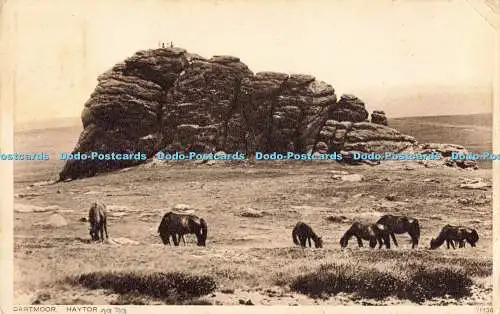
<point x="198" y="239"/>
<point x="176" y="240"/>
<point x="394" y="239"/>
<point x="387" y="241"/>
<point x="360" y="242"/>
<point x="303" y="241"/>
<point x="165" y="240"/>
<point x="452" y="244"/>
<point x="414" y="242"/>
<point x="309" y="241"/>
<point x="101" y="231"/>
<point x="416" y="238"/>
<point x="447" y="244"/>
<point x="106" y="229"/>
<point x="379" y="240"/>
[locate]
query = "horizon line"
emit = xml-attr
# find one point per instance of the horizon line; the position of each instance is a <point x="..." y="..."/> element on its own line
<point x="24" y="125"/>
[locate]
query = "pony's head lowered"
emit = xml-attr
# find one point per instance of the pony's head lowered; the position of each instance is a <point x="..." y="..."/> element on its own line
<point x="345" y="239"/>
<point x="472" y="237"/>
<point x="318" y="242"/>
<point x="434" y="244"/>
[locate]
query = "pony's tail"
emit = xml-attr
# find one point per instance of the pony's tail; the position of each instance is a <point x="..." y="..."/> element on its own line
<point x="474" y="235"/>
<point x="294" y="236"/>
<point x="162" y="223"/>
<point x="204" y="230"/>
<point x="416" y="227"/>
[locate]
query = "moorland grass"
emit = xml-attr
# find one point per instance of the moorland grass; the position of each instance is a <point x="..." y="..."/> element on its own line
<point x="134" y="288"/>
<point x="416" y="284"/>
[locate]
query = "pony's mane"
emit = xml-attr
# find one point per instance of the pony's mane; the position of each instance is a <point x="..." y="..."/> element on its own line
<point x="350" y="232"/>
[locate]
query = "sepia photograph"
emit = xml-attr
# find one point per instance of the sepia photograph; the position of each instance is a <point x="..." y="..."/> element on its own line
<point x="232" y="152"/>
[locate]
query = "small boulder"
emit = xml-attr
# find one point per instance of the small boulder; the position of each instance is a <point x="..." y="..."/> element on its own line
<point x="26" y="208"/>
<point x="352" y="177"/>
<point x="338" y="172"/>
<point x="251" y="213"/>
<point x="391" y="197"/>
<point x="183" y="209"/>
<point x="337" y="219"/>
<point x="121" y="241"/>
<point x="475" y="184"/>
<point x="322" y="148"/>
<point x="56" y="221"/>
<point x="378" y="117"/>
<point x="434" y="180"/>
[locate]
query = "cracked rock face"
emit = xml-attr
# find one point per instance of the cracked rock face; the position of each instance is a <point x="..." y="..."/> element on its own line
<point x="168" y="99"/>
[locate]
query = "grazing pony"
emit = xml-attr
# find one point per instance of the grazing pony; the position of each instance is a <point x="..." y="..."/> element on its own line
<point x="399" y="225"/>
<point x="302" y="233"/>
<point x="457" y="234"/>
<point x="177" y="225"/>
<point x="98" y="221"/>
<point x="372" y="232"/>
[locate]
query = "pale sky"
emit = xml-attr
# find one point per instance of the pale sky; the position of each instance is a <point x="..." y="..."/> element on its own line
<point x="368" y="48"/>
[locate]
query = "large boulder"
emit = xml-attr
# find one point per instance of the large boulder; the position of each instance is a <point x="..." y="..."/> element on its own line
<point x="378" y="117"/>
<point x="350" y="108"/>
<point x="363" y="137"/>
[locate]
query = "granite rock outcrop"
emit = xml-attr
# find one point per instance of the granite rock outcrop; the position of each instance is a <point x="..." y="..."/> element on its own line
<point x="168" y="99"/>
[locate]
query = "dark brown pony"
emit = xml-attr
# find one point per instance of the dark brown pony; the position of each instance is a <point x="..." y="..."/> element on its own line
<point x="372" y="232"/>
<point x="177" y="225"/>
<point x="302" y="233"/>
<point x="98" y="221"/>
<point x="399" y="225"/>
<point x="455" y="234"/>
